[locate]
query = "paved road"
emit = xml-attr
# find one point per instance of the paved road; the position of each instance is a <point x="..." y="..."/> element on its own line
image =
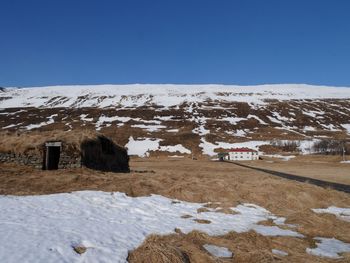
<point x="340" y="187"/>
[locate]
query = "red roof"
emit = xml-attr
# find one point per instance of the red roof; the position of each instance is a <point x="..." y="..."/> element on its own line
<point x="241" y="150"/>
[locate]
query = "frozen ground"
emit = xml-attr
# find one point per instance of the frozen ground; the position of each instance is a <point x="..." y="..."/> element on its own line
<point x="46" y="228"/>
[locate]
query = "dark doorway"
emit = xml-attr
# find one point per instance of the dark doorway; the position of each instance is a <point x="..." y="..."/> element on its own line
<point x="52" y="155"/>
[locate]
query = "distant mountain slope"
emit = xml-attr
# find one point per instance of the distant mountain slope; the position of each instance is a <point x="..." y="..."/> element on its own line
<point x="183" y="119"/>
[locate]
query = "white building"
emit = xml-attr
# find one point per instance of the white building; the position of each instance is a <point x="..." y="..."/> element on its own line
<point x="242" y="154"/>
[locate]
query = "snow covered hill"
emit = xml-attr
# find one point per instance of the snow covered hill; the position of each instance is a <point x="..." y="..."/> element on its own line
<point x="166" y="95"/>
<point x="183" y="119"/>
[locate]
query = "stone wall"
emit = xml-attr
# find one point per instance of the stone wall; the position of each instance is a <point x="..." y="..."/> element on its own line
<point x="67" y="161"/>
<point x="36" y="161"/>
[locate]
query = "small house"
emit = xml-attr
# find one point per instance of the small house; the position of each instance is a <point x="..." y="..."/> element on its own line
<point x="62" y="150"/>
<point x="239" y="154"/>
<point x="243" y="154"/>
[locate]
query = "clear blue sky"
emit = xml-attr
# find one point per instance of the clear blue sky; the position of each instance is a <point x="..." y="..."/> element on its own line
<point x="48" y="42"/>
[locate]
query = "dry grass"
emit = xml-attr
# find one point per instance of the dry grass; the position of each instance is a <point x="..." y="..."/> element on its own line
<point x="223" y="185"/>
<point x="33" y="142"/>
<point x="327" y="168"/>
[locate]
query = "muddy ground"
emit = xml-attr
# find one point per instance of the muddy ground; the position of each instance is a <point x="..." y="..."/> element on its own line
<point x="208" y="181"/>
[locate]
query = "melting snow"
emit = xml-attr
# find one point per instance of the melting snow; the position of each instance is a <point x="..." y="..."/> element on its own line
<point x="83" y="117"/>
<point x="330" y="127"/>
<point x="238" y="133"/>
<point x="142" y="147"/>
<point x="44" y="123"/>
<point x="233" y="120"/>
<point x="173" y="130"/>
<point x="341" y="213"/>
<point x="257" y="118"/>
<point x="150" y="128"/>
<point x="309" y="128"/>
<point x="346" y="127"/>
<point x="329" y="247"/>
<point x="279" y="252"/>
<point x="11" y="126"/>
<point x="45" y="228"/>
<point x="283" y="157"/>
<point x="208" y="147"/>
<point x="175" y="148"/>
<point x="102" y="119"/>
<point x="216" y="251"/>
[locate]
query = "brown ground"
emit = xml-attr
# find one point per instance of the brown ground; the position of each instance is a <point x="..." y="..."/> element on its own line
<point x="327" y="168"/>
<point x="207" y="181"/>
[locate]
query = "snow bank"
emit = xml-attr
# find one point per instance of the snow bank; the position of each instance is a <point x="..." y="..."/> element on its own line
<point x="45" y="228"/>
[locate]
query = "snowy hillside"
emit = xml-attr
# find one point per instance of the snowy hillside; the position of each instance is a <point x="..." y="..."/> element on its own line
<point x="183" y="119"/>
<point x="137" y="95"/>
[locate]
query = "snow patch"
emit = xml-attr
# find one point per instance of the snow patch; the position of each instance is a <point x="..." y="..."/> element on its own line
<point x="216" y="251"/>
<point x="309" y="128"/>
<point x="346" y="127"/>
<point x="173" y="130"/>
<point x="175" y="148"/>
<point x="150" y="128"/>
<point x="83" y="117"/>
<point x="44" y="123"/>
<point x="283" y="157"/>
<point x="142" y="146"/>
<point x="279" y="252"/>
<point x="329" y="247"/>
<point x="341" y="213"/>
<point x="208" y="147"/>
